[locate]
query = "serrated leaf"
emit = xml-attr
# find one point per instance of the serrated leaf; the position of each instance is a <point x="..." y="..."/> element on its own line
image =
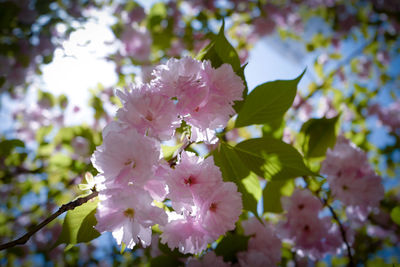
<point x="79" y="224"/>
<point x="395" y="215"/>
<point x="230" y="245"/>
<point x="317" y="135"/>
<point x="268" y="102"/>
<point x="234" y="170"/>
<point x="271" y="158"/>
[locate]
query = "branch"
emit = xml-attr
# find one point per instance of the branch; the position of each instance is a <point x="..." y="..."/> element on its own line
<point x="66" y="207"/>
<point x="342" y="231"/>
<point x="172" y="161"/>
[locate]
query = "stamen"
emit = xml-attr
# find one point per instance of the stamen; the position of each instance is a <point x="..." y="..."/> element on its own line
<point x="129" y="213"/>
<point x="213" y="207"/>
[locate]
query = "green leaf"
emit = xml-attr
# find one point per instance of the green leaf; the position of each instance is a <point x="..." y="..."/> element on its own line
<point x="395" y="215"/>
<point x="268" y="102"/>
<point x="272" y="194"/>
<point x="274" y="128"/>
<point x="7" y="146"/>
<point x="79" y="224"/>
<point x="230" y="245"/>
<point x="234" y="170"/>
<point x="42" y="133"/>
<point x="168" y="151"/>
<point x="60" y="160"/>
<point x="317" y="135"/>
<point x="220" y="51"/>
<point x="160" y="26"/>
<point x="271" y="158"/>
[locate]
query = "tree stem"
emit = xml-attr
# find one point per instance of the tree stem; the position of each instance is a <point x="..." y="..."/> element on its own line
<point x="343" y="232"/>
<point x="66" y="207"/>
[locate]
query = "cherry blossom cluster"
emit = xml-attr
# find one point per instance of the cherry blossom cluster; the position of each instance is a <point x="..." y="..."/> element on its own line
<point x="134" y="179"/>
<point x="264" y="247"/>
<point x="311" y="235"/>
<point x="352" y="179"/>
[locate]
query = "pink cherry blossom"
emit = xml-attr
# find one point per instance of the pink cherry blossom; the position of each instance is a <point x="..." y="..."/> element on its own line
<point x="126" y="156"/>
<point x="263" y="243"/>
<point x="183" y="80"/>
<point x="311" y="235"/>
<point x="157" y="186"/>
<point x="221" y="209"/>
<point x="352" y="179"/>
<point x="137" y="43"/>
<point x="148" y="111"/>
<point x="254" y="258"/>
<point x="345" y="159"/>
<point x="301" y="201"/>
<point x="127" y="213"/>
<point x="225" y="87"/>
<point x="186" y="234"/>
<point x="192" y="178"/>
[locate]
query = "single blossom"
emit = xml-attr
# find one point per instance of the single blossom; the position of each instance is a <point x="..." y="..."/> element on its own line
<point x="126" y="156"/>
<point x="352" y="179"/>
<point x="225" y="87"/>
<point x="221" y="209"/>
<point x="263" y="242"/>
<point x="128" y="213"/>
<point x="136" y="43"/>
<point x="186" y="234"/>
<point x="310" y="234"/>
<point x="182" y="80"/>
<point x="301" y="201"/>
<point x="148" y="111"/>
<point x="193" y="178"/>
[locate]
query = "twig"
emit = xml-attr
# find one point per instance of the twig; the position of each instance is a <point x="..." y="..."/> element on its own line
<point x="342" y="231"/>
<point x="66" y="207"/>
<point x="172" y="161"/>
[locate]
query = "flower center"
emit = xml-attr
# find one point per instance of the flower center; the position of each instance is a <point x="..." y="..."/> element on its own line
<point x="130" y="162"/>
<point x="306" y="228"/>
<point x="344" y="187"/>
<point x="189" y="181"/>
<point x="149" y="117"/>
<point x="213" y="207"/>
<point x="301" y="206"/>
<point x="129" y="213"/>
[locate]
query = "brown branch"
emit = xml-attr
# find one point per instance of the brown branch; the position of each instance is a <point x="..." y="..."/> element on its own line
<point x="342" y="231"/>
<point x="66" y="207"/>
